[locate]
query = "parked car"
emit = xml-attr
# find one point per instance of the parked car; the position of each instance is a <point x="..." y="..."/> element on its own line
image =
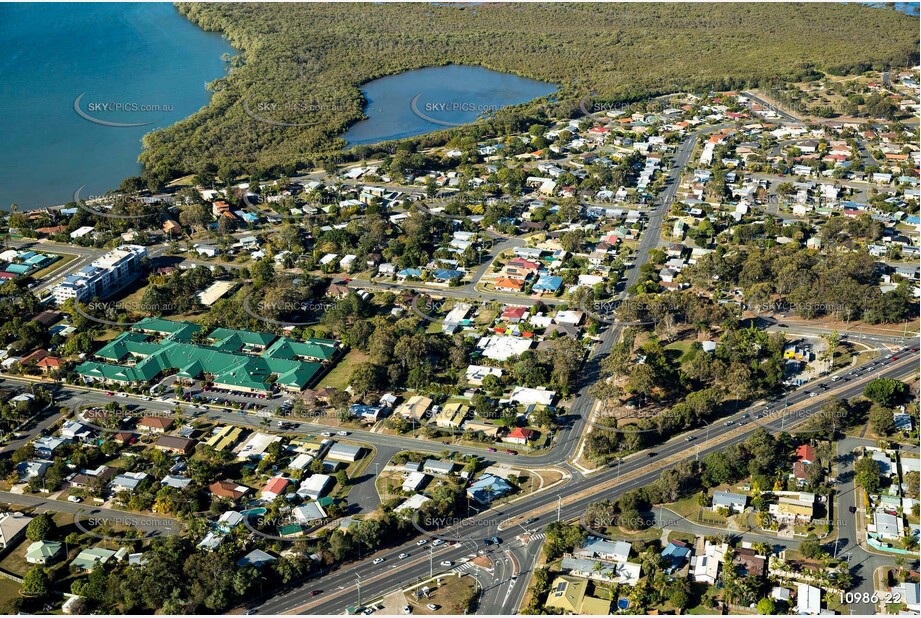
<point x="433" y="607"/>
<point x="74" y="499"/>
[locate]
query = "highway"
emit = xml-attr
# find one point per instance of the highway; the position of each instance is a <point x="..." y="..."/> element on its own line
<point x="513" y="560"/>
<point x="567" y="502"/>
<point x="339" y="586"/>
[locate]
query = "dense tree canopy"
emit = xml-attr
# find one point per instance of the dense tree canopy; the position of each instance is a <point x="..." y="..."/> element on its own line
<point x="309" y="61"/>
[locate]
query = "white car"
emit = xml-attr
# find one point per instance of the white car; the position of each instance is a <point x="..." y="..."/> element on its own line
<point x="407" y="609"/>
<point x="437" y="542"/>
<point x="446" y="563"/>
<point x="813" y="394"/>
<point x="326" y="434"/>
<point x="74" y="499"/>
<point x="377" y="561"/>
<point x="421" y="542"/>
<point x="342" y="433"/>
<point x="403" y="556"/>
<point x="433" y="607"/>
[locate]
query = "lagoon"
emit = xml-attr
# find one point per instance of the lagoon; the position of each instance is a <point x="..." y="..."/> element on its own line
<point x="437" y="98"/>
<point x="135" y="64"/>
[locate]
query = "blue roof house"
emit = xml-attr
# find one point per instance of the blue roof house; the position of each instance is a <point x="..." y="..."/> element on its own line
<point x="548" y="283"/>
<point x="488" y="488"/>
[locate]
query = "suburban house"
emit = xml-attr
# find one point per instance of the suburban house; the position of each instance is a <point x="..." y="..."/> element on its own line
<point x="155" y="424"/>
<point x="43" y="552"/>
<point x="488" y="488"/>
<point x="569" y="595"/>
<point x="175" y="445"/>
<point x="414" y="408"/>
<point x="12" y="528"/>
<point x="451" y="416"/>
<point x="228" y="489"/>
<point x="520" y="435"/>
<point x="727" y="500"/>
<point x="275" y="487"/>
<point x="796" y="509"/>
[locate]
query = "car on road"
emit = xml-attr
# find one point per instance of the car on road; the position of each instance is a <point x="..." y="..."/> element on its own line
<point x="421" y="542"/>
<point x="852" y="509"/>
<point x="326" y="434"/>
<point x="491" y="450"/>
<point x="496" y="540"/>
<point x="446" y="563"/>
<point x="403" y="556"/>
<point x="511" y="452"/>
<point x="530" y="520"/>
<point x="813" y="394"/>
<point x="728" y="423"/>
<point x="377" y="561"/>
<point x="342" y="433"/>
<point x="651" y="454"/>
<point x="109" y="394"/>
<point x="745" y="416"/>
<point x="741" y="423"/>
<point x="314" y="593"/>
<point x="438" y="542"/>
<point x="689" y="439"/>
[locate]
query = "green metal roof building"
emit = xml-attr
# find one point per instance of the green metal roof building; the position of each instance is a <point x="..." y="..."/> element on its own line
<point x="236" y="359"/>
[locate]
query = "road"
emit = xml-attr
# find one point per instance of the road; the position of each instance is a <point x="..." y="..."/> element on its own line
<point x="85" y="514"/>
<point x="568" y="502"/>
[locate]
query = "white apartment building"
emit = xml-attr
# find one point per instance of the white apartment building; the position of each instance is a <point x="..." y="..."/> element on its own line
<point x="104" y="276"/>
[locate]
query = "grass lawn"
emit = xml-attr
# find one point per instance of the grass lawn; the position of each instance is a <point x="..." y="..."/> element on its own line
<point x="450" y="597"/>
<point x="15" y="561"/>
<point x="9" y="591"/>
<point x="687" y="537"/>
<point x="682" y="346"/>
<point x="339" y="376"/>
